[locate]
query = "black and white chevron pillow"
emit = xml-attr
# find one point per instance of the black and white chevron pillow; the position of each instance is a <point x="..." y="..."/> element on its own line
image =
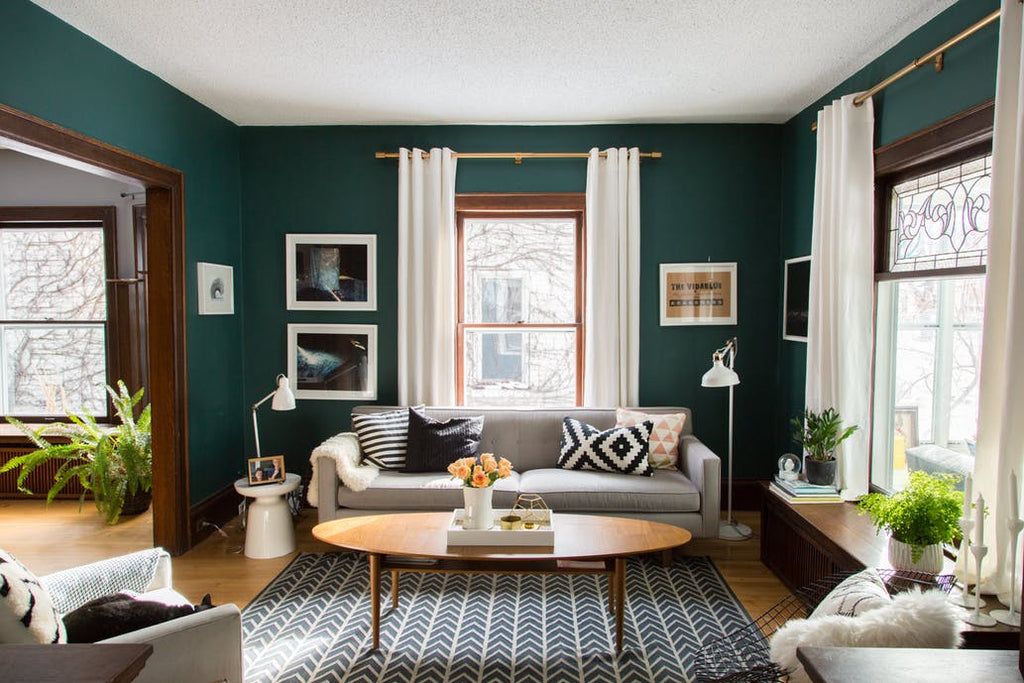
<point x="620" y="449"/>
<point x="27" y="614"/>
<point x="383" y="437"/>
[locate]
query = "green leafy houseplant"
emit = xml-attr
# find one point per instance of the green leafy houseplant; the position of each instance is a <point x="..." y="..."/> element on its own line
<point x="925" y="513"/>
<point x="114" y="462"/>
<point x="820" y="433"/>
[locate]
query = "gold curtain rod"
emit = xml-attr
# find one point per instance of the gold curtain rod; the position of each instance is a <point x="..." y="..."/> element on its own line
<point x="935" y="56"/>
<point x="517" y="156"/>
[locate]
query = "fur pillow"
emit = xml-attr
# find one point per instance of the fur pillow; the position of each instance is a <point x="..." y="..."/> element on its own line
<point x="912" y="619"/>
<point x="27" y="614"/>
<point x="114" y="615"/>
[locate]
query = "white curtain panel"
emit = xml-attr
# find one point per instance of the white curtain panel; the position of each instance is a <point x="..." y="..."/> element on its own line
<point x="613" y="279"/>
<point x="839" y="340"/>
<point x="1000" y="448"/>
<point x="426" y="277"/>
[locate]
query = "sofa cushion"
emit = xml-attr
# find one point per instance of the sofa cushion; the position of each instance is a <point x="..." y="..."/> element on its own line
<point x="620" y="449"/>
<point x="589" y="491"/>
<point x="664" y="450"/>
<point x="433" y="444"/>
<point x="421" y="491"/>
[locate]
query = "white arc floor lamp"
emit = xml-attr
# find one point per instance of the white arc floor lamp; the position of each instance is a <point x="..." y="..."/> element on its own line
<point x="284" y="399"/>
<point x="721" y="376"/>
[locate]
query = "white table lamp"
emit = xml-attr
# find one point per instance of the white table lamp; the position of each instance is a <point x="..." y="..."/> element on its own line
<point x="721" y="376"/>
<point x="284" y="399"/>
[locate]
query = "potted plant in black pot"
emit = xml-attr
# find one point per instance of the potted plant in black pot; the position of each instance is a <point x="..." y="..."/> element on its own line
<point x="820" y="434"/>
<point x="114" y="462"/>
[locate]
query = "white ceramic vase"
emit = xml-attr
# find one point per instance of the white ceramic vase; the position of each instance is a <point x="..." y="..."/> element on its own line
<point x="479" y="511"/>
<point x="930" y="560"/>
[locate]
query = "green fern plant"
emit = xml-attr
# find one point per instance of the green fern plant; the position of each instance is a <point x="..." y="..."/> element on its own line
<point x="112" y="462"/>
<point x="820" y="433"/>
<point x="924" y="513"/>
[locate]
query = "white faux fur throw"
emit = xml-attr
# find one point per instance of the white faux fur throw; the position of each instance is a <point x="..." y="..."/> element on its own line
<point x="912" y="619"/>
<point x="344" y="450"/>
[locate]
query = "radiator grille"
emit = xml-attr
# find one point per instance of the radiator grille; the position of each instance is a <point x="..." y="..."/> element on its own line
<point x="38" y="482"/>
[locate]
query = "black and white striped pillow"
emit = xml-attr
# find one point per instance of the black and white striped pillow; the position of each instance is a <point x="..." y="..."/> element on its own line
<point x="619" y="449"/>
<point x="27" y="614"/>
<point x="383" y="437"/>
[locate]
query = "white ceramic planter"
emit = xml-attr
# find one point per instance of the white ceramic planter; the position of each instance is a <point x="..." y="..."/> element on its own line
<point x="930" y="560"/>
<point x="479" y="510"/>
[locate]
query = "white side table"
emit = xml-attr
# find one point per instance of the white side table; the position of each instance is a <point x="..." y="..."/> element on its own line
<point x="269" y="531"/>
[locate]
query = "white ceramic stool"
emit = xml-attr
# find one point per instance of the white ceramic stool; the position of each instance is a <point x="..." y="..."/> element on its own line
<point x="269" y="531"/>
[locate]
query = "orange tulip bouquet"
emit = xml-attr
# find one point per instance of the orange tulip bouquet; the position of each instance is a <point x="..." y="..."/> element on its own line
<point x="480" y="474"/>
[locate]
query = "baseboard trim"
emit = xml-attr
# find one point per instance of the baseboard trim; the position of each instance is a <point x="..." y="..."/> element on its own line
<point x="219" y="509"/>
<point x="746" y="494"/>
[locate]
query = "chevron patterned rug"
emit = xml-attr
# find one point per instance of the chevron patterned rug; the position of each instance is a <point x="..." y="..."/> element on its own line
<point x="312" y="623"/>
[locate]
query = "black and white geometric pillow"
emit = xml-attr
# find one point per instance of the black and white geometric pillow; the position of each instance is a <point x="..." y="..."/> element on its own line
<point x="26" y="610"/>
<point x="383" y="437"/>
<point x="620" y="449"/>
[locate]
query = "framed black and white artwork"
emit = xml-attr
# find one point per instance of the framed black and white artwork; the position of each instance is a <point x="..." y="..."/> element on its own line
<point x="796" y="295"/>
<point x="216" y="289"/>
<point x="331" y="272"/>
<point x="333" y="362"/>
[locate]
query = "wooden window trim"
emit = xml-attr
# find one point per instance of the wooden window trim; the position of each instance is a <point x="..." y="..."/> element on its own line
<point x="521" y="205"/>
<point x="106" y="216"/>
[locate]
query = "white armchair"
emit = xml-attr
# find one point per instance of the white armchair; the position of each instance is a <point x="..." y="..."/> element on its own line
<point x="203" y="647"/>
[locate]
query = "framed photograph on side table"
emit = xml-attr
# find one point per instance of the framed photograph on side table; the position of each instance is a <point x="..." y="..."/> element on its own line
<point x="698" y="293"/>
<point x="266" y="470"/>
<point x="334" y="362"/>
<point x="331" y="272"/>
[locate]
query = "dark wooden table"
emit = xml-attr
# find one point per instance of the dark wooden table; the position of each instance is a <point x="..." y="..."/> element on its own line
<point x="906" y="665"/>
<point x="112" y="663"/>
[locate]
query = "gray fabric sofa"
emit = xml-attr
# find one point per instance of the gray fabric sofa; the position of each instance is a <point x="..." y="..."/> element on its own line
<point x="530" y="438"/>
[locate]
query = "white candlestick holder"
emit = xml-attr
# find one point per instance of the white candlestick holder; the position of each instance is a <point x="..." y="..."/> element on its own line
<point x="965" y="599"/>
<point x="1011" y="617"/>
<point x="977" y="617"/>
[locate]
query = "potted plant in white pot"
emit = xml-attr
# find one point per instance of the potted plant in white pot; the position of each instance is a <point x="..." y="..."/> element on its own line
<point x="820" y="434"/>
<point x="920" y="518"/>
<point x="114" y="462"/>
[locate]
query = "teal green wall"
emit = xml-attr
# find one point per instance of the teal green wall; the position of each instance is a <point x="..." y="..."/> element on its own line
<point x="713" y="196"/>
<point x="53" y="71"/>
<point x="911" y="104"/>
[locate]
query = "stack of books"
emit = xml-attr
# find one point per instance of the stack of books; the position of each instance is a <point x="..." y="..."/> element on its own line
<point x="799" y="491"/>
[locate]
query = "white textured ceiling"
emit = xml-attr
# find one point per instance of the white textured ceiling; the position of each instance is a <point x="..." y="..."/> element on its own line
<point x="284" y="62"/>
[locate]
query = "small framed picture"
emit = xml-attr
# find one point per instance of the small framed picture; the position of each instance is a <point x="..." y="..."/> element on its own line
<point x="216" y="289"/>
<point x="266" y="470"/>
<point x="331" y="272"/>
<point x="796" y="295"/>
<point x="333" y="362"/>
<point x="698" y="293"/>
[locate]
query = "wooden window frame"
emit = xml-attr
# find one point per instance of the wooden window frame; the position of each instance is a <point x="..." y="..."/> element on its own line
<point x="521" y="205"/>
<point x="51" y="216"/>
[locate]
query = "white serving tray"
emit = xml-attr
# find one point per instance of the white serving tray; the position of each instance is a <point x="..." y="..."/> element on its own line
<point x="544" y="535"/>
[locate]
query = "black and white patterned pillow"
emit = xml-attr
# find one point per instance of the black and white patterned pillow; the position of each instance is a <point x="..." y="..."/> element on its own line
<point x="862" y="592"/>
<point x="619" y="449"/>
<point x="383" y="437"/>
<point x="26" y="610"/>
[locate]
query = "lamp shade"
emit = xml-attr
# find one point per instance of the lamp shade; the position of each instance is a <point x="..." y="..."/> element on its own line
<point x="719" y="376"/>
<point x="284" y="399"/>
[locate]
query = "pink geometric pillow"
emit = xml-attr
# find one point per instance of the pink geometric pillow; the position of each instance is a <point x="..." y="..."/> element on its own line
<point x="664" y="451"/>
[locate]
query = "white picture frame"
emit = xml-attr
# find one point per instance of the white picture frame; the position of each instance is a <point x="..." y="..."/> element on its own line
<point x="216" y="289"/>
<point x="333" y="362"/>
<point x="346" y="280"/>
<point x="698" y="293"/>
<point x="795" y="292"/>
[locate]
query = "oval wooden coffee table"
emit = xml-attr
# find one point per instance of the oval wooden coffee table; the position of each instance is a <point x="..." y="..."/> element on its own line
<point x="584" y="544"/>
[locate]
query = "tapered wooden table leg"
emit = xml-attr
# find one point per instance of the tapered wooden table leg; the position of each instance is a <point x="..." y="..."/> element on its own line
<point x="394" y="590"/>
<point x="375" y="598"/>
<point x="611" y="593"/>
<point x="620" y="600"/>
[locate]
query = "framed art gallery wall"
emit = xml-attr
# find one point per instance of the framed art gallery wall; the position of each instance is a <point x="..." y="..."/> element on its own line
<point x="796" y="295"/>
<point x="331" y="272"/>
<point x="333" y="362"/>
<point x="698" y="293"/>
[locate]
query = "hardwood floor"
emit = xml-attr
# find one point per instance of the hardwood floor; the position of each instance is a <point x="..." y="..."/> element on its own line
<point x="48" y="539"/>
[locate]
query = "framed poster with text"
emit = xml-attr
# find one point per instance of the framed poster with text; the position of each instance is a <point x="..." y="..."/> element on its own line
<point x="698" y="294"/>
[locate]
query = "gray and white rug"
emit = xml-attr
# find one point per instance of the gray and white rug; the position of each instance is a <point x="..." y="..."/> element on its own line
<point x="312" y="623"/>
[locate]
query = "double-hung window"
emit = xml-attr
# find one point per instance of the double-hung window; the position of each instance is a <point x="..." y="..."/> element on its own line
<point x="53" y="310"/>
<point x="931" y="252"/>
<point x="519" y="340"/>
